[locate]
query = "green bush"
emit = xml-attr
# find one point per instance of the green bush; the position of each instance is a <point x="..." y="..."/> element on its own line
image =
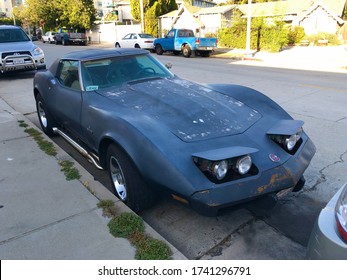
<point x="296" y="35"/>
<point x="264" y="36"/>
<point x="332" y="38"/>
<point x="8" y="21"/>
<point x="273" y="37"/>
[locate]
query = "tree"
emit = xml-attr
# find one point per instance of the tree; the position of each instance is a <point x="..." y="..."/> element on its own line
<point x="152" y="10"/>
<point x="75" y="13"/>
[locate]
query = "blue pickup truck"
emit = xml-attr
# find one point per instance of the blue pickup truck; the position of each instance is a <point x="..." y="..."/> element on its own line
<point x="184" y="41"/>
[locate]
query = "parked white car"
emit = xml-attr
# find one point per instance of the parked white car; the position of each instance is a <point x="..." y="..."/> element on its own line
<point x="48" y="37"/>
<point x="136" y="40"/>
<point x="18" y="52"/>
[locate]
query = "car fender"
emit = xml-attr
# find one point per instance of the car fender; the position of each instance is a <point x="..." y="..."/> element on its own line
<point x="253" y="98"/>
<point x="152" y="163"/>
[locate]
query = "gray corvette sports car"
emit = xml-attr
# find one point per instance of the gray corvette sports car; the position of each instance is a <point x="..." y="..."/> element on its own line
<point x="208" y="146"/>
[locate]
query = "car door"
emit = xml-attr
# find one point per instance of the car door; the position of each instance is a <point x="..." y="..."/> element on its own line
<point x="125" y="41"/>
<point x="168" y="42"/>
<point x="67" y="96"/>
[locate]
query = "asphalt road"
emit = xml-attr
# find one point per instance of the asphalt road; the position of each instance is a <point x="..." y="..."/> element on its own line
<point x="247" y="231"/>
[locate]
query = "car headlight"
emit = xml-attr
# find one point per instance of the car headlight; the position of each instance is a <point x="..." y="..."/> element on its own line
<point x="220" y="169"/>
<point x="244" y="164"/>
<point x="292" y="140"/>
<point x="341" y="214"/>
<point x="37" y="51"/>
<point x="288" y="142"/>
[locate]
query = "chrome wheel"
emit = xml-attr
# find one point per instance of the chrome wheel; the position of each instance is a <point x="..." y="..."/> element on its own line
<point x="42" y="114"/>
<point x="118" y="179"/>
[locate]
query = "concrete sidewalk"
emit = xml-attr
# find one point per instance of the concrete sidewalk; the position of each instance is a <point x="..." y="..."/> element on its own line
<point x="315" y="58"/>
<point x="44" y="216"/>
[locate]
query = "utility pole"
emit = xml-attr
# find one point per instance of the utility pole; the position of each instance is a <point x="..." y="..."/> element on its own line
<point x="141" y="15"/>
<point x="248" y="35"/>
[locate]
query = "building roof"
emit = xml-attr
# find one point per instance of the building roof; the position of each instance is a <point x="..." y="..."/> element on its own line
<point x="278" y="8"/>
<point x="191" y="9"/>
<point x="325" y="8"/>
<point x="335" y="6"/>
<point x="291" y="7"/>
<point x="215" y="10"/>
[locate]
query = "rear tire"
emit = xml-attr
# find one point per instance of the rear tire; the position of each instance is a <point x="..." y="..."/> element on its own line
<point x="117" y="45"/>
<point x="158" y="49"/>
<point x="127" y="182"/>
<point x="187" y="52"/>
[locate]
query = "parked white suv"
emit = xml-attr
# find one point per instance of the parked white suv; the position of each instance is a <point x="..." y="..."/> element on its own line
<point x="18" y="52"/>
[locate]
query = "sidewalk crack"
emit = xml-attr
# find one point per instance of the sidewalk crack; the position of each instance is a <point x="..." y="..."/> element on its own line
<point x="46" y="226"/>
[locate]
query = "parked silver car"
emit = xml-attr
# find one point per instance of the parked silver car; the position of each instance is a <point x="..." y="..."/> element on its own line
<point x="18" y="52"/>
<point x="328" y="239"/>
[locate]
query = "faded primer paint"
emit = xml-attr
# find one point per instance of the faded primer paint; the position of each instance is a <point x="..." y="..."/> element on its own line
<point x="190" y="111"/>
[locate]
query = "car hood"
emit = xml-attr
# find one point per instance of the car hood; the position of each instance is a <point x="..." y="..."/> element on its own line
<point x="190" y="111"/>
<point x="17" y="46"/>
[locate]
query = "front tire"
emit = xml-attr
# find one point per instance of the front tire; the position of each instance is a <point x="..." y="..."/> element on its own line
<point x="158" y="49"/>
<point x="127" y="183"/>
<point x="46" y="120"/>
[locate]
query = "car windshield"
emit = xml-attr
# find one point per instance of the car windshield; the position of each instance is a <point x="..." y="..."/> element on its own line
<point x="13" y="35"/>
<point x="115" y="71"/>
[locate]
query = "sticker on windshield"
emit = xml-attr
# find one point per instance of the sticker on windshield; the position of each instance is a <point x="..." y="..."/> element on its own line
<point x="91" y="88"/>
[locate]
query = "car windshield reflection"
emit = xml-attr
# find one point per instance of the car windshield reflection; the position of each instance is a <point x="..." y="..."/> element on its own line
<point x="115" y="71"/>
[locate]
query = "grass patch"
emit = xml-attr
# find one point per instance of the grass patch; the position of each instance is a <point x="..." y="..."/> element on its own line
<point x="22" y="124"/>
<point x="131" y="226"/>
<point x="71" y="173"/>
<point x="108" y="208"/>
<point x="125" y="224"/>
<point x="153" y="249"/>
<point x="43" y="144"/>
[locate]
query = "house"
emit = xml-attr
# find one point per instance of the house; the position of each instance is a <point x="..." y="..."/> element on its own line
<point x="321" y="18"/>
<point x="6" y="7"/>
<point x="313" y="15"/>
<point x="124" y="12"/>
<point x="181" y="18"/>
<point x="214" y="18"/>
<point x="201" y="20"/>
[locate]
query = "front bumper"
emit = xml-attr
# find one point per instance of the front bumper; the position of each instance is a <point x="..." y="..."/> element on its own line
<point x="285" y="176"/>
<point x="23" y="62"/>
